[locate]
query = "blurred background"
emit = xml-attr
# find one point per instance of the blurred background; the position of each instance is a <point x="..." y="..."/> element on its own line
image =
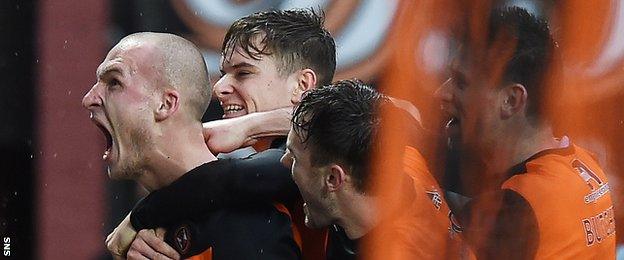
<point x="56" y="201"/>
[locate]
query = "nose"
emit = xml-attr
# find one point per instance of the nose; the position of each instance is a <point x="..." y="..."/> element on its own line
<point x="286" y="160"/>
<point x="223" y="87"/>
<point x="92" y="98"/>
<point x="443" y="93"/>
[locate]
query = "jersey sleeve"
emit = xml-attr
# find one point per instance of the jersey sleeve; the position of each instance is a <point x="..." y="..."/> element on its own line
<point x="256" y="231"/>
<point x="260" y="177"/>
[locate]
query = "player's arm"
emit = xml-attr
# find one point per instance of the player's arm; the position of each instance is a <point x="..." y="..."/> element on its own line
<point x="149" y="244"/>
<point x="509" y="232"/>
<point x="261" y="177"/>
<point x="227" y="135"/>
<point x="237" y="233"/>
<point x="119" y="240"/>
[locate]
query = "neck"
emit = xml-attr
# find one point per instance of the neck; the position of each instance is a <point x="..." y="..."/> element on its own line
<point x="520" y="146"/>
<point x="358" y="214"/>
<point x="176" y="151"/>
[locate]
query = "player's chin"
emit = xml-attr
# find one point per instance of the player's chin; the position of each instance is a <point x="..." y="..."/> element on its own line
<point x="115" y="172"/>
<point x="314" y="222"/>
<point x="310" y="223"/>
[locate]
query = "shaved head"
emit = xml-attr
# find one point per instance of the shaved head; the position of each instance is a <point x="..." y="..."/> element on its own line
<point x="182" y="67"/>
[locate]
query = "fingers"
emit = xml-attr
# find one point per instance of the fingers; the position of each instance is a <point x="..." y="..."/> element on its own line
<point x="112" y="247"/>
<point x="160" y="233"/>
<point x="118" y="241"/>
<point x="147" y="245"/>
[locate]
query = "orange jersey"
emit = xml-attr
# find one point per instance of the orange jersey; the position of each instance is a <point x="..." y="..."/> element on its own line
<point x="423" y="229"/>
<point x="571" y="200"/>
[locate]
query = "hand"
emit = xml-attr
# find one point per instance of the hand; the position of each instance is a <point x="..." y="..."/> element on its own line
<point x="150" y="244"/>
<point x="118" y="241"/>
<point x="226" y="135"/>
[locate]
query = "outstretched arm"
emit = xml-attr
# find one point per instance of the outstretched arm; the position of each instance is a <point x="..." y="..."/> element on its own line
<point x="223" y="183"/>
<point x="226" y="135"/>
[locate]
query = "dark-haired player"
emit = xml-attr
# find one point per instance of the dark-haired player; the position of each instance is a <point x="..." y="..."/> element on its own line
<point x="335" y="132"/>
<point x="546" y="198"/>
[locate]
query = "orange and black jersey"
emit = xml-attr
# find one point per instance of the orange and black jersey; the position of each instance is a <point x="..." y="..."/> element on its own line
<point x="257" y="230"/>
<point x="199" y="199"/>
<point x="223" y="183"/>
<point x="418" y="228"/>
<point x="556" y="204"/>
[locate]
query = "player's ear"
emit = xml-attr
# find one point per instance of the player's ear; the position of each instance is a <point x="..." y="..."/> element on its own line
<point x="335" y="178"/>
<point x="306" y="80"/>
<point x="168" y="104"/>
<point x="513" y="98"/>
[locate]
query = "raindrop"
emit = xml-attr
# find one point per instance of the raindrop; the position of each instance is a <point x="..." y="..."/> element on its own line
<point x="15" y="193"/>
<point x="117" y="197"/>
<point x="54" y="155"/>
<point x="16" y="54"/>
<point x="17" y="7"/>
<point x="261" y="250"/>
<point x="141" y="14"/>
<point x="37" y="61"/>
<point x="69" y="92"/>
<point x="45" y="185"/>
<point x="32" y="156"/>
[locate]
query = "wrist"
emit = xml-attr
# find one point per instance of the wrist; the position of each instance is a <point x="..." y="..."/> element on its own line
<point x="269" y="123"/>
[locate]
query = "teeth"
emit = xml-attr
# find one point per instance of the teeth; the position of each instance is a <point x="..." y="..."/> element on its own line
<point x="233" y="108"/>
<point x="449" y="123"/>
<point x="105" y="156"/>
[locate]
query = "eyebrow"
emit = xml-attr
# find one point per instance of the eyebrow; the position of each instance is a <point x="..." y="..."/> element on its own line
<point x="241" y="65"/>
<point x="108" y="69"/>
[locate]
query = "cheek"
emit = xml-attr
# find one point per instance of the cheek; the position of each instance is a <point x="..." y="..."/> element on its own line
<point x="247" y="93"/>
<point x="297" y="176"/>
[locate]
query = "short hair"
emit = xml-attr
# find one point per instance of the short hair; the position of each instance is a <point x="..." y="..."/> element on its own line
<point x="533" y="57"/>
<point x="296" y="38"/>
<point x="339" y="123"/>
<point x="184" y="69"/>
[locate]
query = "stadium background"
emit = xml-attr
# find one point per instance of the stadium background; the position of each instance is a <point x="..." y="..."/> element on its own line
<point x="56" y="201"/>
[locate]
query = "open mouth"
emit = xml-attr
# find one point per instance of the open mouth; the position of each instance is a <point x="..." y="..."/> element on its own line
<point x="453" y="122"/>
<point x="452" y="129"/>
<point x="232" y="110"/>
<point x="109" y="140"/>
